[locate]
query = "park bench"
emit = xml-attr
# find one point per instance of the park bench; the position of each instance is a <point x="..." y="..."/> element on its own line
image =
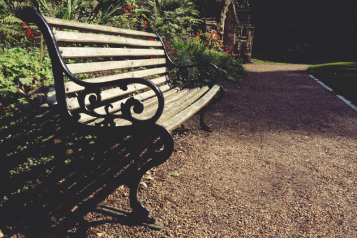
<point x="134" y="87"/>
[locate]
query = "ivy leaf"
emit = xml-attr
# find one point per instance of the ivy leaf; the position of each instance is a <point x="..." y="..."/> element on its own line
<point x="26" y="81"/>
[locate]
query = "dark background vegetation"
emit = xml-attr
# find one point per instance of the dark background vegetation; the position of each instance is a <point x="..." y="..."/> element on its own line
<point x="288" y="30"/>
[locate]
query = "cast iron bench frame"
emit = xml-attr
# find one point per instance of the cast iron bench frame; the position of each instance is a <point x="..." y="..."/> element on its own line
<point x="91" y="95"/>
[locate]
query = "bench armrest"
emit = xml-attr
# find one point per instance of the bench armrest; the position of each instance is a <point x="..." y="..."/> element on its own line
<point x="93" y="90"/>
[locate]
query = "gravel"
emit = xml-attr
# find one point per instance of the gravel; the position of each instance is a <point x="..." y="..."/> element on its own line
<point x="280" y="162"/>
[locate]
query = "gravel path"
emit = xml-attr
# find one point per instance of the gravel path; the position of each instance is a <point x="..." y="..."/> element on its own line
<point x="280" y="162"/>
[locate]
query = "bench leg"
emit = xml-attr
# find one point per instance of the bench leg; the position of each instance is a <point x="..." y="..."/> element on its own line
<point x="218" y="98"/>
<point x="158" y="156"/>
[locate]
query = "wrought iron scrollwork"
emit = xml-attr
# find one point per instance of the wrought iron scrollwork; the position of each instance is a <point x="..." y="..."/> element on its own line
<point x="92" y="91"/>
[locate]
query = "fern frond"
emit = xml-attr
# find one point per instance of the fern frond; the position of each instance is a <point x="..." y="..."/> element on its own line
<point x="10" y="20"/>
<point x="11" y="30"/>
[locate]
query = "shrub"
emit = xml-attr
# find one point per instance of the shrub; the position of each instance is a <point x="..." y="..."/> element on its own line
<point x="195" y="51"/>
<point x="20" y="71"/>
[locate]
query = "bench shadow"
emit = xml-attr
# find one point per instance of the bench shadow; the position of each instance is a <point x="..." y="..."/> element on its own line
<point x="52" y="186"/>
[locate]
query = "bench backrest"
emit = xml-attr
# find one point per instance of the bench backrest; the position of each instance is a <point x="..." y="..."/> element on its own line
<point x="122" y="53"/>
<point x="103" y="54"/>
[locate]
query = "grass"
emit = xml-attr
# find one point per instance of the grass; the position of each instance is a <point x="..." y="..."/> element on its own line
<point x="340" y="76"/>
<point x="258" y="61"/>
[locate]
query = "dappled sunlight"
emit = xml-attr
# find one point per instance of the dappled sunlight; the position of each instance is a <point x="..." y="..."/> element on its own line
<point x="277" y="67"/>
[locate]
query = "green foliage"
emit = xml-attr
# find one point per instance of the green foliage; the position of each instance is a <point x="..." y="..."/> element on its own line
<point x="20" y="71"/>
<point x="172" y="18"/>
<point x="126" y="16"/>
<point x="72" y="10"/>
<point x="167" y="17"/>
<point x="10" y="29"/>
<point x="104" y="9"/>
<point x="194" y="51"/>
<point x="242" y="4"/>
<point x="211" y="40"/>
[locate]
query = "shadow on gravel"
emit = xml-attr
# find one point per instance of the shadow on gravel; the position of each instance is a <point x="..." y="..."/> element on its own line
<point x="47" y="192"/>
<point x="46" y="188"/>
<point x="284" y="101"/>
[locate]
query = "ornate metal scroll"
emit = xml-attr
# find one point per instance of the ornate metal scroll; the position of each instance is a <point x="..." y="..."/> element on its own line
<point x="93" y="91"/>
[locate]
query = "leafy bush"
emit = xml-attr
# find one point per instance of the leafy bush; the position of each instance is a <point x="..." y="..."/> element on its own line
<point x="20" y="71"/>
<point x="172" y="18"/>
<point x="195" y="51"/>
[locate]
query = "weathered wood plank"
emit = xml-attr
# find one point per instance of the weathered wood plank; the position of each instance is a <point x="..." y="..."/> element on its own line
<point x="83" y="68"/>
<point x="77" y="37"/>
<point x="178" y="105"/>
<point x="55" y="22"/>
<point x="185" y="114"/>
<point x="85" y="52"/>
<point x="72" y="87"/>
<point x="150" y="106"/>
<point x="112" y="93"/>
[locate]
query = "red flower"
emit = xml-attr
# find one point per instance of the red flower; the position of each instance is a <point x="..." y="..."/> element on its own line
<point x="124" y="10"/>
<point x="210" y="36"/>
<point x="145" y="22"/>
<point x="132" y="15"/>
<point x="170" y="55"/>
<point x="152" y="39"/>
<point x="217" y="35"/>
<point x="165" y="45"/>
<point x="197" y="33"/>
<point x="23" y="24"/>
<point x="31" y="36"/>
<point x="145" y="27"/>
<point x="214" y="32"/>
<point x="175" y="51"/>
<point x="28" y="32"/>
<point x="227" y="51"/>
<point x="129" y="7"/>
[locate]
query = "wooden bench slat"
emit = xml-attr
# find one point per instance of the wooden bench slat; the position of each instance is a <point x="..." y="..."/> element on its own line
<point x="177" y="103"/>
<point x="72" y="87"/>
<point x="150" y="107"/>
<point x="114" y="92"/>
<point x="184" y="115"/>
<point x="77" y="37"/>
<point x="85" y="52"/>
<point x="173" y="105"/>
<point x="55" y="22"/>
<point x="173" y="108"/>
<point x="117" y="105"/>
<point x="83" y="68"/>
